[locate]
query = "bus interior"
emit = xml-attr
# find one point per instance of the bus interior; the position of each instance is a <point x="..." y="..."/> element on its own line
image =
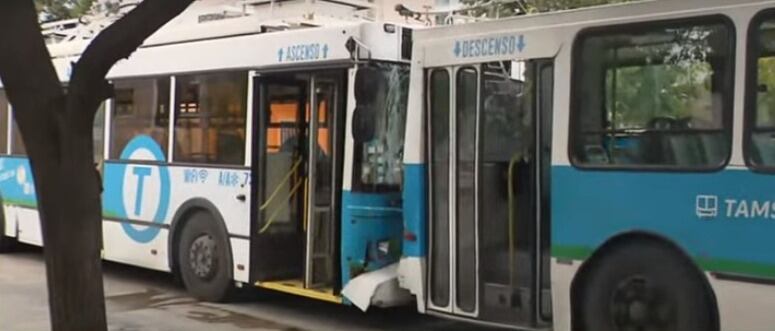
<point x="296" y="229"/>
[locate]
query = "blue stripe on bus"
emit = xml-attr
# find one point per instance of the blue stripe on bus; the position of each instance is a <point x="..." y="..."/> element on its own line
<point x="415" y="212"/>
<point x="371" y="232"/>
<point x="737" y="232"/>
<point x="16" y="183"/>
<point x="116" y="176"/>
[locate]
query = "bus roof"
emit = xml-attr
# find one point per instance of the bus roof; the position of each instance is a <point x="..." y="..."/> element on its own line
<point x="542" y="35"/>
<point x="221" y="37"/>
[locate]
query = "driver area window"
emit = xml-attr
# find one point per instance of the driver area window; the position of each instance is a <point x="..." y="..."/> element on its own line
<point x="655" y="96"/>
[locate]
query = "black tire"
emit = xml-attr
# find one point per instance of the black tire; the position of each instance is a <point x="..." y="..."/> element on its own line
<point x="204" y="258"/>
<point x="645" y="286"/>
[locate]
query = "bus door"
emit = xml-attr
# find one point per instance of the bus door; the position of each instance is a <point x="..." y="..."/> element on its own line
<point x="488" y="131"/>
<point x="297" y="168"/>
<point x="327" y="100"/>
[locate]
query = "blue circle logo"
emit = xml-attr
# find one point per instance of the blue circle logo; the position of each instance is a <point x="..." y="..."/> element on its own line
<point x="144" y="194"/>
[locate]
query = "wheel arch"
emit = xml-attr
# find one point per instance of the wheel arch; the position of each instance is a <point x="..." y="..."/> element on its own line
<point x="179" y="221"/>
<point x="631" y="238"/>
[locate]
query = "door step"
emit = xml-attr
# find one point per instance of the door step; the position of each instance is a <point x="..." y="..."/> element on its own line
<point x="296" y="287"/>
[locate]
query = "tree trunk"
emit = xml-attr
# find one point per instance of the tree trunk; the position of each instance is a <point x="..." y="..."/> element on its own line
<point x="69" y="203"/>
<point x="57" y="131"/>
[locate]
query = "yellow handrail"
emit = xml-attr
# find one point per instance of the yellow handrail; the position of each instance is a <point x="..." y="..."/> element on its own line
<point x="512" y="210"/>
<point x="274" y="214"/>
<point x="277" y="189"/>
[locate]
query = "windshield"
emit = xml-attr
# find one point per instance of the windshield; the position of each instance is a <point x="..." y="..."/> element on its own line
<point x="381" y="101"/>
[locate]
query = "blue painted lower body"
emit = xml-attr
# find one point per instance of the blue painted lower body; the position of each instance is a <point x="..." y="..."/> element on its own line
<point x="372" y="232"/>
<point x="720" y="216"/>
<point x="415" y="210"/>
<point x="16" y="182"/>
<point x="725" y="219"/>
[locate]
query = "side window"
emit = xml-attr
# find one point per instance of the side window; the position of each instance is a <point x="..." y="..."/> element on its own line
<point x="3" y="122"/>
<point x="98" y="132"/>
<point x="466" y="107"/>
<point x="439" y="127"/>
<point x="507" y="97"/>
<point x="760" y="136"/>
<point x="211" y="112"/>
<point x="140" y="107"/>
<point x="654" y="96"/>
<point x="17" y="144"/>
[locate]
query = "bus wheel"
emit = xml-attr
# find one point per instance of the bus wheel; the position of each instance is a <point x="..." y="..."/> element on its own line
<point x="645" y="287"/>
<point x="203" y="256"/>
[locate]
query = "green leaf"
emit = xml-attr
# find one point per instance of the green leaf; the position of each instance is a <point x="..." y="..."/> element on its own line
<point x="529" y="6"/>
<point x="54" y="10"/>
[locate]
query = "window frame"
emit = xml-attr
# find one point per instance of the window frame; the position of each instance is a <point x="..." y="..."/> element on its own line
<point x="577" y="65"/>
<point x="450" y="75"/>
<point x="176" y="115"/>
<point x="15" y="132"/>
<point x="750" y="108"/>
<point x="111" y="107"/>
<point x="455" y="160"/>
<point x="5" y="149"/>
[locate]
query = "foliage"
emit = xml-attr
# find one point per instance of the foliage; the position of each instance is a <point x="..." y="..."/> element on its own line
<point x="669" y="80"/>
<point x="518" y="7"/>
<point x="54" y="10"/>
<point x="642" y="93"/>
<point x="765" y="116"/>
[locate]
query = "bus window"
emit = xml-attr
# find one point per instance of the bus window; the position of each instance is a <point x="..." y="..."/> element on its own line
<point x="439" y="155"/>
<point x="98" y="133"/>
<point x="507" y="130"/>
<point x="17" y="144"/>
<point x="654" y="97"/>
<point x="378" y="160"/>
<point x="140" y="107"/>
<point x="466" y="94"/>
<point x="760" y="151"/>
<point x="211" y="112"/>
<point x="3" y="122"/>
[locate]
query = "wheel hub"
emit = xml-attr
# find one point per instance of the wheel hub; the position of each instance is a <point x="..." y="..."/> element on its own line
<point x="638" y="305"/>
<point x="203" y="257"/>
<point x="639" y="311"/>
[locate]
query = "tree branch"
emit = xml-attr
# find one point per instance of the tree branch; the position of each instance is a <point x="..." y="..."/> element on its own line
<point x="58" y="134"/>
<point x="25" y="63"/>
<point x="26" y="70"/>
<point x="117" y="42"/>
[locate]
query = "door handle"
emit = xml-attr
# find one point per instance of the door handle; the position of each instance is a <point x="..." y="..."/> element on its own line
<point x="241" y="197"/>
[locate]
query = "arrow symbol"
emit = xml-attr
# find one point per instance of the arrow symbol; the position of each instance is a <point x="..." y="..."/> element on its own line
<point x="521" y="43"/>
<point x="280" y="55"/>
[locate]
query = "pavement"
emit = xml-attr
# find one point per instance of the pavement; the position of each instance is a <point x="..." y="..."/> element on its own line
<point x="139" y="299"/>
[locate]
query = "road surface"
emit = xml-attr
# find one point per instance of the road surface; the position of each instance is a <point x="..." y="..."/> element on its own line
<point x="139" y="299"/>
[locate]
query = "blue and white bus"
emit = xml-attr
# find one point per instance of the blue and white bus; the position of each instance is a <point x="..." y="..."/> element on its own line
<point x="599" y="169"/>
<point x="225" y="156"/>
